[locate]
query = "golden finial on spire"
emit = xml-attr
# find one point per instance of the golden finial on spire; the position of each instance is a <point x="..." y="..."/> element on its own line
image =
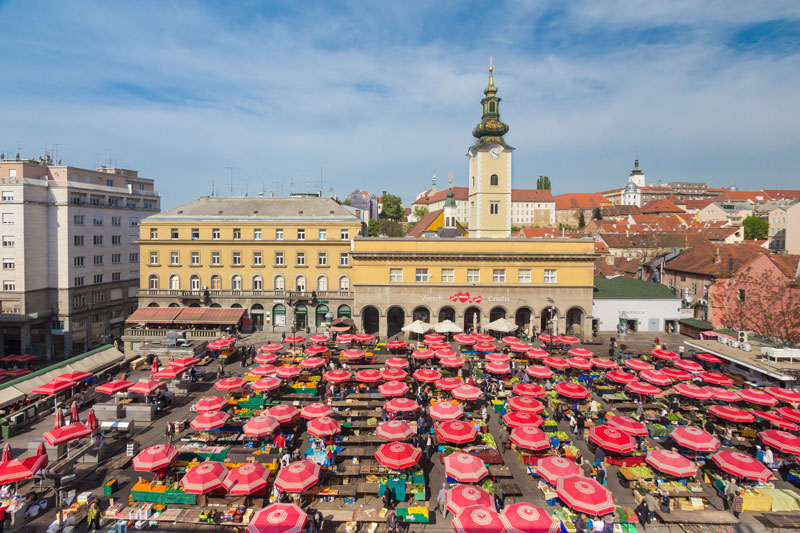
<point x="450" y="176"/>
<point x="491" y="68"/>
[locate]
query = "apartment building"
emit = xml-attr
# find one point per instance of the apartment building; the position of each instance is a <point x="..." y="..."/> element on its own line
<point x="70" y="262"/>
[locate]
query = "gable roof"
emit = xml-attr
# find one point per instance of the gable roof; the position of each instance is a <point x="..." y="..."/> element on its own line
<point x="580" y="200"/>
<point x="781" y="194"/>
<point x="714" y="259"/>
<point x="620" y="210"/>
<point x="660" y="205"/>
<point x="424" y="223"/>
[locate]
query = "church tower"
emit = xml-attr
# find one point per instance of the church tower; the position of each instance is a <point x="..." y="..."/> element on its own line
<point x="636" y="176"/>
<point x="490" y="171"/>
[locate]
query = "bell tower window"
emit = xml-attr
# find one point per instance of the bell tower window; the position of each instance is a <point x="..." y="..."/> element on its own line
<point x="492" y="107"/>
<point x="494" y="180"/>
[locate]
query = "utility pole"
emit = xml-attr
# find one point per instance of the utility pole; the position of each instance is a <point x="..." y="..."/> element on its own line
<point x="230" y="169"/>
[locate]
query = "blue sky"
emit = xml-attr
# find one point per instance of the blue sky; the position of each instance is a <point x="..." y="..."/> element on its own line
<point x="376" y="95"/>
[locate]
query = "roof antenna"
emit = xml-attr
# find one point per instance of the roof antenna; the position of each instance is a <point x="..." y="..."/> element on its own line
<point x="212" y="187"/>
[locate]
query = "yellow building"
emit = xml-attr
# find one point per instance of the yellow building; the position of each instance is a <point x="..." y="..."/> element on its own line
<point x="536" y="284"/>
<point x="285" y="260"/>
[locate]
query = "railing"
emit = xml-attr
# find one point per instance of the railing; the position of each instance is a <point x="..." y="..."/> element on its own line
<point x="190" y="333"/>
<point x="295" y="295"/>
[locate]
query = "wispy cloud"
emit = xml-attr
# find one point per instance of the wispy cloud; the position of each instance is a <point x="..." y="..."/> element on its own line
<point x="378" y="95"/>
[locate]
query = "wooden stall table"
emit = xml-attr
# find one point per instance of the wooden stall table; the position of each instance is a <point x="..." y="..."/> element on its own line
<point x="336" y="515"/>
<point x="781" y="520"/>
<point x="499" y="471"/>
<point x="369" y="514"/>
<point x="358" y="451"/>
<point x="722" y="518"/>
<point x="510" y="488"/>
<point x="354" y="404"/>
<point x="359" y="424"/>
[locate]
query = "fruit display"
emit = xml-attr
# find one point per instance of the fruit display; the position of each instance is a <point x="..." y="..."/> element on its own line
<point x="488" y="439"/>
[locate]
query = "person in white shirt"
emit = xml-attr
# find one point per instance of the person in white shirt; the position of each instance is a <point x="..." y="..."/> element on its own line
<point x="769" y="459"/>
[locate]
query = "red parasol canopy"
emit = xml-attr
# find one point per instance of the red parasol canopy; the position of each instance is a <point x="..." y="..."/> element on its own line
<point x="66" y="433"/>
<point x="723" y="395"/>
<point x="572" y="390"/>
<point x="288" y="371"/>
<point x="665" y="355"/>
<point x="585" y="495"/>
<point x="370" y="375"/>
<point x="530" y="437"/>
<point x="641" y="387"/>
<point x="708" y="358"/>
<point x="510" y="339"/>
<point x="462" y="496"/>
<point x="452" y="362"/>
<point x="580" y="363"/>
<point x="210" y="404"/>
<point x="283" y="413"/>
<point x="526" y="518"/>
<point x="209" y="421"/>
<point x="529" y="389"/>
<point x="784" y="395"/>
<point x="91" y="420"/>
<point x="446" y="411"/>
<point x="266" y="358"/>
<point x="538" y="371"/>
<point x="555" y="362"/>
<point x="54" y="387"/>
<point x="394" y="374"/>
<point x="569" y="340"/>
<point x="449" y="383"/>
<point x="317" y="339"/>
<point x="789" y="413"/>
<point x="497" y="368"/>
<point x="316" y="410"/>
<point x="427" y="375"/>
<point x="396" y="345"/>
<point x="338" y="376"/>
<point x="324" y="426"/>
<point x="675" y="373"/>
<point x="401" y="405"/>
<point x="397" y="455"/>
<point x="15" y="470"/>
<point x="169" y="372"/>
<point x="656" y="377"/>
<point x="498" y="357"/>
<point x="221" y="343"/>
<point x="345" y="337"/>
<point x="612" y="439"/>
<point x="155" y="458"/>
<point x="184" y="361"/>
<point x="716" y="378"/>
<point x="226" y="384"/>
<point x="689" y="366"/>
<point x="692" y="391"/>
<point x="464" y="339"/>
<point x="271" y="348"/>
<point x="599" y="362"/>
<point x="393" y="388"/>
<point x="261" y="426"/>
<point x="552" y="468"/>
<point x="620" y="376"/>
<point x="266" y="384"/>
<point x="352" y="354"/>
<point x="742" y="465"/>
<point x="464" y="467"/>
<point x="298" y="476"/>
<point x="423" y="354"/>
<point x="312" y="362"/>
<point x="695" y="439"/>
<point x="467" y="392"/>
<point x="628" y="425"/>
<point x="781" y="440"/>
<point x="294" y="339"/>
<point x="638" y="364"/>
<point x="515" y="419"/>
<point x="525" y="404"/>
<point x="520" y="347"/>
<point x="113" y="387"/>
<point x="394" y="430"/>
<point x="581" y="352"/>
<point x="671" y="463"/>
<point x="477" y="519"/>
<point x="73" y="376"/>
<point x="537" y="353"/>
<point x="483" y="337"/>
<point x="278" y="518"/>
<point x="6" y="456"/>
<point x="246" y="479"/>
<point x="396" y="362"/>
<point x="775" y="419"/>
<point x="484" y="347"/>
<point x="456" y="431"/>
<point x="758" y="397"/>
<point x="729" y="412"/>
<point x="544" y="337"/>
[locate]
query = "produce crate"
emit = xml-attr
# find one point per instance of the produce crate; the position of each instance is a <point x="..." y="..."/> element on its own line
<point x="110" y="487"/>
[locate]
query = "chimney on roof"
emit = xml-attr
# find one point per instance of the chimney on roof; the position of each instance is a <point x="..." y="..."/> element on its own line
<point x="716" y="257"/>
<point x="331" y="193"/>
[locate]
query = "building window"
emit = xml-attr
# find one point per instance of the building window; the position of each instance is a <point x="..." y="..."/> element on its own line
<point x="256" y="258"/>
<point x="323" y="235"/>
<point x="78" y="261"/>
<point x="173" y="258"/>
<point x="9" y="263"/>
<point x="550" y="275"/>
<point x="77" y="220"/>
<point x="422" y="275"/>
<point x="473" y="275"/>
<point x="741" y="295"/>
<point x="134" y="222"/>
<point x="300" y="283"/>
<point x="344" y="234"/>
<point x="301" y="258"/>
<point x="77" y="301"/>
<point x="301" y="235"/>
<point x="78" y="281"/>
<point x="215" y="258"/>
<point x="395" y="275"/>
<point x="116" y="276"/>
<point x="8" y="241"/>
<point x="279" y="283"/>
<point x="323" y="259"/>
<point x="237" y="234"/>
<point x="494" y="208"/>
<point x="195" y="258"/>
<point x="448" y="275"/>
<point x="216" y="282"/>
<point x="153" y="258"/>
<point x="153" y="234"/>
<point x="173" y="234"/>
<point x="116" y="221"/>
<point x="97" y="221"/>
<point x="133" y="257"/>
<point x="98" y="278"/>
<point x="344" y="283"/>
<point x="152" y="282"/>
<point x="98" y="240"/>
<point x="215" y="234"/>
<point x="344" y="259"/>
<point x="98" y="297"/>
<point x="258" y="283"/>
<point x="98" y="260"/>
<point x="195" y="234"/>
<point x="279" y="258"/>
<point x="494" y="180"/>
<point x="8" y="218"/>
<point x="77" y="240"/>
<point x="694" y="288"/>
<point x="116" y="240"/>
<point x="257" y="234"/>
<point x="499" y="275"/>
<point x="9" y="285"/>
<point x="174" y="282"/>
<point x="8" y="196"/>
<point x="322" y="283"/>
<point x="278" y="234"/>
<point x="236" y="283"/>
<point x="237" y="258"/>
<point x="524" y="275"/>
<point x="116" y="258"/>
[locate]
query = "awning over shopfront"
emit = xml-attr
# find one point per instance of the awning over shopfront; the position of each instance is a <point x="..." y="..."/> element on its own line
<point x="220" y="315"/>
<point x="189" y="315"/>
<point x="154" y="315"/>
<point x="186" y="315"/>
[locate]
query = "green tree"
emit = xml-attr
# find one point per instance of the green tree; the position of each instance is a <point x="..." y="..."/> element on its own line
<point x="347" y="201"/>
<point x="420" y="211"/>
<point x="392" y="207"/>
<point x="543" y="183"/>
<point x="581" y="220"/>
<point x="597" y="214"/>
<point x="391" y="228"/>
<point x="755" y="229"/>
<point x="372" y="227"/>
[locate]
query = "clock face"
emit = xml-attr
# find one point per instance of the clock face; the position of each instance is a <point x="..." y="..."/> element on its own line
<point x="494" y="153"/>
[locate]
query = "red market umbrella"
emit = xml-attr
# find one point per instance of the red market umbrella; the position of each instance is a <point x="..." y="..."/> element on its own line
<point x="113" y="387"/>
<point x="716" y="378"/>
<point x="345" y="338"/>
<point x="264" y="370"/>
<point x="66" y="433"/>
<point x="525" y="404"/>
<point x="789" y="413"/>
<point x="784" y="395"/>
<point x="461" y="496"/>
<point x="608" y="364"/>
<point x="266" y="384"/>
<point x="537" y="353"/>
<point x="204" y="477"/>
<point x="226" y="384"/>
<point x="278" y="518"/>
<point x="456" y="431"/>
<point x="484" y="347"/>
<point x="271" y="348"/>
<point x="498" y="357"/>
<point x="449" y="383"/>
<point x="266" y="358"/>
<point x="483" y="337"/>
<point x="246" y="479"/>
<point x="464" y="467"/>
<point x="288" y="371"/>
<point x="317" y="339"/>
<point x="569" y="340"/>
<point x="364" y="337"/>
<point x="439" y="346"/>
<point x="209" y="421"/>
<point x="572" y="390"/>
<point x="73" y="376"/>
<point x="452" y="362"/>
<point x="312" y="362"/>
<point x="293" y="339"/>
<point x="54" y="387"/>
<point x="689" y="366"/>
<point x="446" y="411"/>
<point x="464" y="339"/>
<point x="59" y="418"/>
<point x="298" y="476"/>
<point x="221" y="344"/>
<point x="436" y="337"/>
<point x="628" y="425"/>
<point x="665" y="355"/>
<point x="723" y="395"/>
<point x="637" y="364"/>
<point x="581" y="352"/>
<point x="580" y="363"/>
<point x="184" y="361"/>
<point x="401" y="405"/>
<point x="695" y="439"/>
<point x="445" y="352"/>
<point x="708" y="358"/>
<point x="552" y="468"/>
<point x="352" y="354"/>
<point x="427" y="375"/>
<point x="640" y="387"/>
<point x="169" y="372"/>
<point x="556" y="362"/>
<point x="316" y="410"/>
<point x="423" y="354"/>
<point x="529" y="389"/>
<point x="396" y="362"/>
<point x="91" y="420"/>
<point x="526" y="518"/>
<point x="370" y="375"/>
<point x="396" y="345"/>
<point x="520" y="348"/>
<point x="692" y="391"/>
<point x="530" y="438"/>
<point x="758" y="397"/>
<point x="73" y="413"/>
<point x="394" y="374"/>
<point x="394" y="430"/>
<point x="620" y="376"/>
<point x="284" y="413"/>
<point x="775" y="419"/>
<point x="261" y="426"/>
<point x="478" y="519"/>
<point x="515" y="419"/>
<point x="147" y="386"/>
<point x="338" y="376"/>
<point x="742" y="465"/>
<point x="656" y="377"/>
<point x="675" y="373"/>
<point x="585" y="495"/>
<point x="671" y="463"/>
<point x="6" y="456"/>
<point x="612" y="439"/>
<point x="510" y="339"/>
<point x="324" y="426"/>
<point x="781" y="440"/>
<point x="15" y="470"/>
<point x="393" y="388"/>
<point x="729" y="412"/>
<point x="397" y="455"/>
<point x="538" y="371"/>
<point x="155" y="458"/>
<point x="467" y="392"/>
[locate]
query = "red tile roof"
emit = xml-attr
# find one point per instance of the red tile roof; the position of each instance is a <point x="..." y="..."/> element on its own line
<point x="424" y="223"/>
<point x="693" y="205"/>
<point x="715" y="259"/>
<point x="581" y="200"/>
<point x="742" y="196"/>
<point x="531" y="195"/>
<point x="660" y="205"/>
<point x="625" y="266"/>
<point x="620" y="210"/>
<point x="528" y="232"/>
<point x="779" y="194"/>
<point x="459" y="193"/>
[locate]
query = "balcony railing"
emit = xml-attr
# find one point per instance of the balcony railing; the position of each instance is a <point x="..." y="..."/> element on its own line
<point x="200" y="294"/>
